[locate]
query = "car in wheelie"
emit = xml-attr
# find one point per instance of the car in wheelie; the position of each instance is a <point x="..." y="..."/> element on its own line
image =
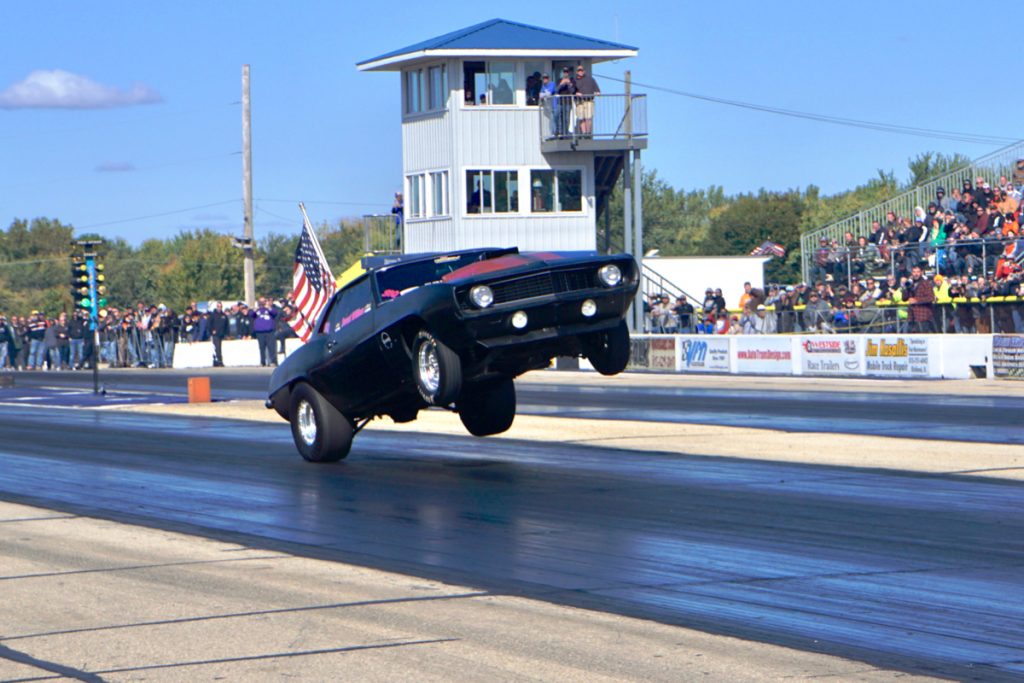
<point x="451" y="330"/>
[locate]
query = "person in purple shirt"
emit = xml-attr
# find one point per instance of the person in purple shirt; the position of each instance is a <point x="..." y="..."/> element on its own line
<point x="263" y="323"/>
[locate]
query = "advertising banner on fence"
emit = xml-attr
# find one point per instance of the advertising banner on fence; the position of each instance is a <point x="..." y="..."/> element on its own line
<point x="653" y="353"/>
<point x="831" y="355"/>
<point x="1008" y="356"/>
<point x="772" y="355"/>
<point x="903" y="356"/>
<point x="704" y="353"/>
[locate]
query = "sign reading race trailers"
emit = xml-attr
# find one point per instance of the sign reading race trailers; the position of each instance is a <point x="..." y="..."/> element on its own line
<point x="831" y="356"/>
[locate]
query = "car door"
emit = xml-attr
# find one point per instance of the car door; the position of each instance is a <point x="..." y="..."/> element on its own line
<point x="350" y="357"/>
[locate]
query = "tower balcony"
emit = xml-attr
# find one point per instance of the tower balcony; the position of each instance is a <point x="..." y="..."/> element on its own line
<point x="598" y="123"/>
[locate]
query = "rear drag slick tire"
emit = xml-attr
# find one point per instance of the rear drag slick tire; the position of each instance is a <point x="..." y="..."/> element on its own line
<point x="320" y="431"/>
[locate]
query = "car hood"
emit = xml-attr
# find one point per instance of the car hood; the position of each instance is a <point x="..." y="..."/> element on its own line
<point x="502" y="263"/>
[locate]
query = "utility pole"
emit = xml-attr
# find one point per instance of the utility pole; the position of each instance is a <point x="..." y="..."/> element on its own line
<point x="247" y="237"/>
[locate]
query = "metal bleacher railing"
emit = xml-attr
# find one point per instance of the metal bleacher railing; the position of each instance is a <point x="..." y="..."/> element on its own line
<point x="1002" y="162"/>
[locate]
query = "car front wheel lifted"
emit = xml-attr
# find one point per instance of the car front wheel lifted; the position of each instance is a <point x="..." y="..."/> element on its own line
<point x="437" y="370"/>
<point x="488" y="407"/>
<point x="608" y="351"/>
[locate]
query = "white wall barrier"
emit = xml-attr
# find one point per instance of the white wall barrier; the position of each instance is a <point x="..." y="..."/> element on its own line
<point x="238" y="353"/>
<point x="900" y="356"/>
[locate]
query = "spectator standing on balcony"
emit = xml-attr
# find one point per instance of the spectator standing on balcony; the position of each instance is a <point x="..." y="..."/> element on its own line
<point x="547" y="87"/>
<point x="586" y="89"/>
<point x="920" y="295"/>
<point x="565" y="89"/>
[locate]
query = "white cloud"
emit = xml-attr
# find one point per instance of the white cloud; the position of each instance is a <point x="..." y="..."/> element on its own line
<point x="115" y="167"/>
<point x="59" y="89"/>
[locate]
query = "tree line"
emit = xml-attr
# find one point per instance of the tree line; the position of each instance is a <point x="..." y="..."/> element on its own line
<point x="203" y="264"/>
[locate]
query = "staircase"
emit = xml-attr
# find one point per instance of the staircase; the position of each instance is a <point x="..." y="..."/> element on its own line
<point x="607" y="170"/>
<point x="1001" y="162"/>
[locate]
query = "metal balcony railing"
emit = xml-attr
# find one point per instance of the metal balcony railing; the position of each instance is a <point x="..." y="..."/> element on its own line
<point x="613" y="117"/>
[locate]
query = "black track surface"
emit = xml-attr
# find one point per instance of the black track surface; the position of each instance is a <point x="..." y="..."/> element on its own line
<point x="917" y="572"/>
<point x="932" y="415"/>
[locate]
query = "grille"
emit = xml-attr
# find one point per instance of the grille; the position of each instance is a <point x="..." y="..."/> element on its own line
<point x="542" y="285"/>
<point x="523" y="288"/>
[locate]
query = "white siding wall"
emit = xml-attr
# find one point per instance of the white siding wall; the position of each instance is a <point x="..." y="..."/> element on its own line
<point x="529" y="234"/>
<point x="478" y="137"/>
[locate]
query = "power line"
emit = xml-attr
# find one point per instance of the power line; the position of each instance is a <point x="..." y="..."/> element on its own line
<point x="321" y="201"/>
<point x="156" y="215"/>
<point x="971" y="138"/>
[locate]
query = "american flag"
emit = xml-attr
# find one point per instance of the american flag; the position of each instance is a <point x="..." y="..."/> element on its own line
<point x="769" y="248"/>
<point x="312" y="283"/>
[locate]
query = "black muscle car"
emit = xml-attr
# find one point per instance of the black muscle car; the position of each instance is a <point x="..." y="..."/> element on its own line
<point x="406" y="332"/>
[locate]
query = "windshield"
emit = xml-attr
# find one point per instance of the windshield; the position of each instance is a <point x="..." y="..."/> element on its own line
<point x="392" y="282"/>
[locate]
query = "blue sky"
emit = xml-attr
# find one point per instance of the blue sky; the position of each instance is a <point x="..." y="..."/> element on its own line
<point x="156" y="127"/>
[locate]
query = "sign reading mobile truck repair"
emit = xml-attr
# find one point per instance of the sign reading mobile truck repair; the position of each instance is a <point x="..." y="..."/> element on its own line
<point x="897" y="356"/>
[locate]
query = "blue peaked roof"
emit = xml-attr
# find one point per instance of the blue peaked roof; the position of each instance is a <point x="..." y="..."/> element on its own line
<point x="501" y="34"/>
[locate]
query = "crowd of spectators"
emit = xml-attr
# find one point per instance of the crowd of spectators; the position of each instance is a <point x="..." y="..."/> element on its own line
<point x="143" y="336"/>
<point x="913" y="303"/>
<point x="974" y="231"/>
<point x="955" y="266"/>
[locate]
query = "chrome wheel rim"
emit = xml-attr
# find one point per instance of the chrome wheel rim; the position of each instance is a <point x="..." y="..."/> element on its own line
<point x="307" y="423"/>
<point x="430" y="373"/>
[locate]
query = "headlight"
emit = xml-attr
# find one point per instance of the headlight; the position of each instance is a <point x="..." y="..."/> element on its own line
<point x="610" y="275"/>
<point x="481" y="296"/>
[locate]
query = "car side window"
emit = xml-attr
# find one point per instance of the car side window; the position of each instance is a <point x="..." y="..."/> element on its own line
<point x="351" y="303"/>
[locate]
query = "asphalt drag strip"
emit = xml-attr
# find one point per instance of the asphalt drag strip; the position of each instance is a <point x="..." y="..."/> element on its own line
<point x="899" y="554"/>
<point x="82" y="398"/>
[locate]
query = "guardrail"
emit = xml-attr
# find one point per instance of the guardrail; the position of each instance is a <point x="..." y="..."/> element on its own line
<point x="960" y="315"/>
<point x="612" y="117"/>
<point x="964" y="257"/>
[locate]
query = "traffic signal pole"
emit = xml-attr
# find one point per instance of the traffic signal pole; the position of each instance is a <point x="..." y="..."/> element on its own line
<point x="93" y="290"/>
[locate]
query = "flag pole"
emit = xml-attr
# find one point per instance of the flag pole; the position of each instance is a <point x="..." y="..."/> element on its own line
<point x="305" y="216"/>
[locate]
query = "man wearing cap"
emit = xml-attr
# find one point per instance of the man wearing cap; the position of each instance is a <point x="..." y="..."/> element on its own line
<point x="565" y="90"/>
<point x="263" y="323"/>
<point x="944" y="202"/>
<point x="920" y="295"/>
<point x="586" y="89"/>
<point x="818" y="314"/>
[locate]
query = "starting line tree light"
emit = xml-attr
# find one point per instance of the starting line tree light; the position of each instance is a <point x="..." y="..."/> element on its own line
<point x="89" y="294"/>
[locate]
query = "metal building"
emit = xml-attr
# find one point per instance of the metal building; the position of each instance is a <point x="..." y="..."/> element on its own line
<point x="488" y="159"/>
